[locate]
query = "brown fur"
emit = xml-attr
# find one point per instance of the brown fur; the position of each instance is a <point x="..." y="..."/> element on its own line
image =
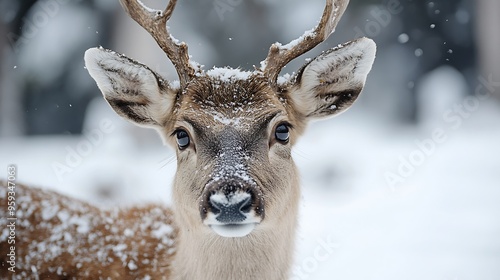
<point x="58" y="237"/>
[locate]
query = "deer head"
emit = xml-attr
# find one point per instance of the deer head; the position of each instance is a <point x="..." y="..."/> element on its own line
<point x="233" y="130"/>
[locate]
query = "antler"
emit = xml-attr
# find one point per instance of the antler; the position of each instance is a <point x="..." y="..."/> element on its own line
<point x="155" y="22"/>
<point x="280" y="55"/>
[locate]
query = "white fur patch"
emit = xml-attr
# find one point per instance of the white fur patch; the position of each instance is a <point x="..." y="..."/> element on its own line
<point x="236" y="230"/>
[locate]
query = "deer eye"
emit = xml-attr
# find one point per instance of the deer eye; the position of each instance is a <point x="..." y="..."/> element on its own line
<point x="182" y="139"/>
<point x="282" y="133"/>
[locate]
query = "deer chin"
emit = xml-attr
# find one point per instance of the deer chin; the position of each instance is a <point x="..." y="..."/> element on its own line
<point x="233" y="230"/>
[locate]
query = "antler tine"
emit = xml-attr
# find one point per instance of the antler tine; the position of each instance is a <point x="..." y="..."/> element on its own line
<point x="280" y="55"/>
<point x="155" y="22"/>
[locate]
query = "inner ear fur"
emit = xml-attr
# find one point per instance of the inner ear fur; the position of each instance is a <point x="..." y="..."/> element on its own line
<point x="134" y="91"/>
<point x="330" y="83"/>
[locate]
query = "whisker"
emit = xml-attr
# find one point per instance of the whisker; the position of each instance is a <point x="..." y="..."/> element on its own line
<point x="166" y="161"/>
<point x="302" y="154"/>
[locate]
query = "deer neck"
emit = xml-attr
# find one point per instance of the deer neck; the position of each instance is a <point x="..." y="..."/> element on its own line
<point x="266" y="253"/>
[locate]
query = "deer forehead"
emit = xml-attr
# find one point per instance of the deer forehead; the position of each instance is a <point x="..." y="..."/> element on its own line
<point x="216" y="102"/>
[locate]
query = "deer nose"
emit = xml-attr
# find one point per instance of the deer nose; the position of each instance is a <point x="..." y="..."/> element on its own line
<point x="230" y="208"/>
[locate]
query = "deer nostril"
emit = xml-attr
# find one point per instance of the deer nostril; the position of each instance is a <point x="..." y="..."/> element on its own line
<point x="214" y="207"/>
<point x="246" y="205"/>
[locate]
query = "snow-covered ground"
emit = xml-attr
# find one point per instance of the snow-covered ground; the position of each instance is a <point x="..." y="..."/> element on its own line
<point x="442" y="223"/>
<point x="436" y="218"/>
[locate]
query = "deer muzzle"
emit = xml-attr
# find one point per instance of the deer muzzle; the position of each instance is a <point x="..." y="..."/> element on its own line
<point x="232" y="208"/>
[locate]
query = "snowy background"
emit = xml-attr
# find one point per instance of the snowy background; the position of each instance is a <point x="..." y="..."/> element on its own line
<point x="405" y="185"/>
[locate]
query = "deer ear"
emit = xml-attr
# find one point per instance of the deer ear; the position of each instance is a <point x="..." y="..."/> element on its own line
<point x="330" y="83"/>
<point x="133" y="90"/>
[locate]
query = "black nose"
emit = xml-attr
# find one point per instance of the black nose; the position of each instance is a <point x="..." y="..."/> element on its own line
<point x="230" y="209"/>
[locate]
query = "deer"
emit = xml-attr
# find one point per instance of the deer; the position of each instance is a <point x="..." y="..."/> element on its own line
<point x="236" y="189"/>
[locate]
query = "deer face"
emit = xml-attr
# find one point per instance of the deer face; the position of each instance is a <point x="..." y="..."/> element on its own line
<point x="233" y="139"/>
<point x="233" y="132"/>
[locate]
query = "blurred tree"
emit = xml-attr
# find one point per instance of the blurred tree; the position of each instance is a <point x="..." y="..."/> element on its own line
<point x="11" y="114"/>
<point x="488" y="38"/>
<point x="441" y="33"/>
<point x="52" y="98"/>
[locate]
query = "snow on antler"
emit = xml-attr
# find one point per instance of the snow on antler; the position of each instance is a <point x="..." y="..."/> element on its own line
<point x="280" y="55"/>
